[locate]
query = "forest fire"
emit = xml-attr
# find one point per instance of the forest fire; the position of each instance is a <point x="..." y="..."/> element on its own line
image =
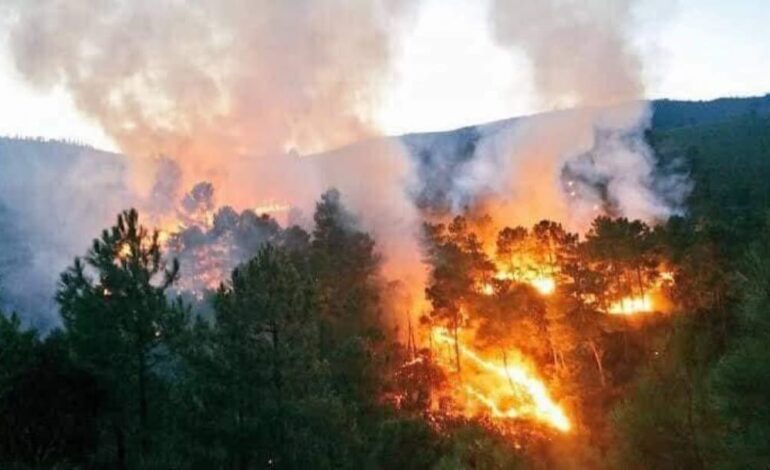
<point x="458" y="284"/>
<point x="649" y="302"/>
<point x="544" y="285"/>
<point x="510" y="309"/>
<point x="507" y="391"/>
<point x="491" y="347"/>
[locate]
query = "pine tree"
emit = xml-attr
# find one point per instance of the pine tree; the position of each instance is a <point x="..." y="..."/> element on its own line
<point x="120" y="323"/>
<point x="346" y="266"/>
<point x="257" y="392"/>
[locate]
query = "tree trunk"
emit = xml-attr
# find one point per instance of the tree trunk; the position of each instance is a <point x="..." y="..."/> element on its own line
<point x="598" y="360"/>
<point x="120" y="446"/>
<point x="507" y="373"/>
<point x="455" y="327"/>
<point x="555" y="356"/>
<point x="411" y="343"/>
<point x="277" y="387"/>
<point x="143" y="412"/>
<point x="639" y="279"/>
<point x="691" y="424"/>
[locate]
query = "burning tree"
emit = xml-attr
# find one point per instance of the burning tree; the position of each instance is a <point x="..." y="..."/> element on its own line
<point x="537" y="308"/>
<point x="481" y="311"/>
<point x="459" y="267"/>
<point x="624" y="253"/>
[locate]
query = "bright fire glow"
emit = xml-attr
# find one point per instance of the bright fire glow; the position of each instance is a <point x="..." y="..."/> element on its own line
<point x="125" y="251"/>
<point x="631" y="306"/>
<point x="487" y="289"/>
<point x="544" y="284"/>
<point x="510" y="390"/>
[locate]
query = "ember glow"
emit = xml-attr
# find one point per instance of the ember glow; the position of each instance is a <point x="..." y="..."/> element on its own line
<point x="506" y="391"/>
<point x="210" y="240"/>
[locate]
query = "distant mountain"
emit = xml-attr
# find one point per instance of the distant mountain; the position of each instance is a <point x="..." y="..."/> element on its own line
<point x="669" y="114"/>
<point x="54" y="198"/>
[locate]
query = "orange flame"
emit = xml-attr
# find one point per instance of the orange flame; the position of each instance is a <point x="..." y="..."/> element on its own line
<point x="507" y="391"/>
<point x="631" y="306"/>
<point x="647" y="303"/>
<point x="544" y="284"/>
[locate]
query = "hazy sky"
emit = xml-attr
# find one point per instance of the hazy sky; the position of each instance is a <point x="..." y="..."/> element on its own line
<point x="449" y="72"/>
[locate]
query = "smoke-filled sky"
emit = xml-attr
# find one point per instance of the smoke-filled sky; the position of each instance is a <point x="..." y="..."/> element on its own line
<point x="253" y="96"/>
<point x="447" y="70"/>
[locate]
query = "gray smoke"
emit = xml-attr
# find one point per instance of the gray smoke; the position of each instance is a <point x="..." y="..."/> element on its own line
<point x="205" y="81"/>
<point x="234" y="91"/>
<point x="570" y="165"/>
<point x="54" y="199"/>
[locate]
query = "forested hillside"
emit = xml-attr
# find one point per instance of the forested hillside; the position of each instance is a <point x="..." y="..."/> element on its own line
<point x="630" y="346"/>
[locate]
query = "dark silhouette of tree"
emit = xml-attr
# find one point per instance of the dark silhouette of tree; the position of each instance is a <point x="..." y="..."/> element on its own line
<point x="346" y="267"/>
<point x="119" y="323"/>
<point x="49" y="407"/>
<point x="258" y="393"/>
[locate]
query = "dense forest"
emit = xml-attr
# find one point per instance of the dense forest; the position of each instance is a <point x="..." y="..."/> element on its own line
<point x="651" y="340"/>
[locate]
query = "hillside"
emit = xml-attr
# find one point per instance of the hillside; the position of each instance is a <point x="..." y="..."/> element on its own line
<point x="54" y="197"/>
<point x="729" y="162"/>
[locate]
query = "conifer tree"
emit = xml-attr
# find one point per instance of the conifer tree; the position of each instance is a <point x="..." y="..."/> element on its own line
<point x="119" y="323"/>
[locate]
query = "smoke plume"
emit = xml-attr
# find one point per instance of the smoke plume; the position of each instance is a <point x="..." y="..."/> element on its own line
<point x="571" y="165"/>
<point x="207" y="81"/>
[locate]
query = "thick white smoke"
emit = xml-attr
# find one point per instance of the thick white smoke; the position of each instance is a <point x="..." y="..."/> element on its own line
<point x="572" y="165"/>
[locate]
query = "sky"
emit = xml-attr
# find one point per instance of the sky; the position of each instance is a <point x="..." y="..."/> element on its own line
<point x="449" y="73"/>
